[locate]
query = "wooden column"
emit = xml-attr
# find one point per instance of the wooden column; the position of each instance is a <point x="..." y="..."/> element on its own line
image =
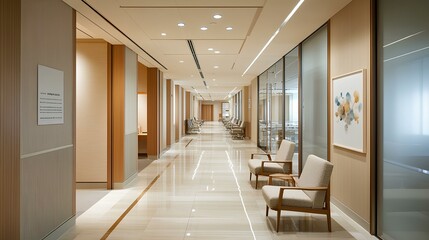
<point x="169" y="111"/>
<point x="118" y="112"/>
<point x="153" y="111"/>
<point x="10" y="27"/>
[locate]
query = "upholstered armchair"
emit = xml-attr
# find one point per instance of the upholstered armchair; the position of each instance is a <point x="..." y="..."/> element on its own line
<point x="310" y="192"/>
<point x="282" y="162"/>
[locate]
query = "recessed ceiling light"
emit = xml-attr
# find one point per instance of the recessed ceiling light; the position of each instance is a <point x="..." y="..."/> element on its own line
<point x="164" y="34"/>
<point x="181" y="61"/>
<point x="180" y="24"/>
<point x="217" y="16"/>
<point x="204" y="28"/>
<point x="216" y="51"/>
<point x="228" y="28"/>
<point x="216" y="66"/>
<point x="210" y="49"/>
<point x="214" y="79"/>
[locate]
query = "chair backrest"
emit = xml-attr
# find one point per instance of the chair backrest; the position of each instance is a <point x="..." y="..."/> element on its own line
<point x="316" y="173"/>
<point x="285" y="152"/>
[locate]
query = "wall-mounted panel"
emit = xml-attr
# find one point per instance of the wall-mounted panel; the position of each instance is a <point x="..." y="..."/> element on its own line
<point x="350" y="50"/>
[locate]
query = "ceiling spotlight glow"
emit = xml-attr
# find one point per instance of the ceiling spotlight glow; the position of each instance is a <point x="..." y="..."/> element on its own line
<point x="217" y="52"/>
<point x="275" y="34"/>
<point x="181" y="61"/>
<point x="217" y="16"/>
<point x="216" y="66"/>
<point x="180" y="24"/>
<point x="210" y="49"/>
<point x="214" y="79"/>
<point x="228" y="28"/>
<point x="164" y="34"/>
<point x="204" y="28"/>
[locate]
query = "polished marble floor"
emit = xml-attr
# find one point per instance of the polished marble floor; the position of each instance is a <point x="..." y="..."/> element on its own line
<point x="200" y="189"/>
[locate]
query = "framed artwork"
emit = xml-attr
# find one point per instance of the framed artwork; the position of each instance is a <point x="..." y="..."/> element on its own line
<point x="349" y="107"/>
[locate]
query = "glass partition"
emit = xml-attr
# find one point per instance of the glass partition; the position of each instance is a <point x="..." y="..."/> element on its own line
<point x="291" y="101"/>
<point x="262" y="102"/>
<point x="314" y="95"/>
<point x="403" y="113"/>
<point x="270" y="108"/>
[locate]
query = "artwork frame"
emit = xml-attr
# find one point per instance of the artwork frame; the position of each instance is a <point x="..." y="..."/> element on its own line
<point x="349" y="111"/>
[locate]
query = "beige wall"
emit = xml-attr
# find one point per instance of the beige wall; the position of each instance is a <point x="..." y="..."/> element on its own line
<point x="142" y="96"/>
<point x="47" y="152"/>
<point x="92" y="76"/>
<point x="350" y="34"/>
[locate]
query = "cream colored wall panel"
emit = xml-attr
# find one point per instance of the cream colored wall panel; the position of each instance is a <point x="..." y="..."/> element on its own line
<point x="350" y="34"/>
<point x="47" y="180"/>
<point x="142" y="112"/>
<point x="91" y="111"/>
<point x="46" y="192"/>
<point x="47" y="39"/>
<point x="130" y="92"/>
<point x="131" y="155"/>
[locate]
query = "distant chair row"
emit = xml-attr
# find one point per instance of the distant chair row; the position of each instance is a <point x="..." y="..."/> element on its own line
<point x="308" y="193"/>
<point x="193" y="125"/>
<point x="235" y="127"/>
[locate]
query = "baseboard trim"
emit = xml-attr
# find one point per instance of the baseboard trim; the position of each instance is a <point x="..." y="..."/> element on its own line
<point x="350" y="213"/>
<point x="60" y="230"/>
<point x="124" y="184"/>
<point x="91" y="185"/>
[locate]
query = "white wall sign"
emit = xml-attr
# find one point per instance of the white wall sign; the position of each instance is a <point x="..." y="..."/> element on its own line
<point x="50" y="94"/>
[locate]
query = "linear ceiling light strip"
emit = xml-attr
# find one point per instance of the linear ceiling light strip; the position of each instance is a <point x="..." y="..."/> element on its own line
<point x="194" y="55"/>
<point x="275" y="34"/>
<point x="99" y="14"/>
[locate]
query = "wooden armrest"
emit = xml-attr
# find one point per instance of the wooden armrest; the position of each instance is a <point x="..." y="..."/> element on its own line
<point x="263" y="162"/>
<point x="281" y="176"/>
<point x="266" y="154"/>
<point x="282" y="189"/>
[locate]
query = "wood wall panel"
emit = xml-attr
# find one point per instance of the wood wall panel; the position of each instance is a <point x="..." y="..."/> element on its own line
<point x="254" y="110"/>
<point x="169" y="111"/>
<point x="350" y="50"/>
<point x="176" y="113"/>
<point x="188" y="105"/>
<point x="153" y="113"/>
<point x="246" y="111"/>
<point x="141" y="78"/>
<point x="10" y="22"/>
<point x="118" y="112"/>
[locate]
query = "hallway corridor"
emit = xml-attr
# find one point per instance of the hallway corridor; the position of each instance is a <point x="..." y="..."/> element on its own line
<point x="199" y="189"/>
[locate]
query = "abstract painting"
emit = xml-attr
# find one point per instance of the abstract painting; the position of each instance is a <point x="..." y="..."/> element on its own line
<point x="348" y="96"/>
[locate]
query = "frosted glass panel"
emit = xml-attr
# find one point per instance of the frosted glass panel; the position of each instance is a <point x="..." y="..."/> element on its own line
<point x="314" y="95"/>
<point x="403" y="59"/>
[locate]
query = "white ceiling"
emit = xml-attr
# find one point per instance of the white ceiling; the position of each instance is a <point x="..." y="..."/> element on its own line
<point x="139" y="24"/>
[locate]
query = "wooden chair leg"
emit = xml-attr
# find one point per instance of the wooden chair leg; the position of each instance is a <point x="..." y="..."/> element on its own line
<point x="328" y="216"/>
<point x="256" y="186"/>
<point x="266" y="211"/>
<point x="278" y="220"/>
<point x="250" y="179"/>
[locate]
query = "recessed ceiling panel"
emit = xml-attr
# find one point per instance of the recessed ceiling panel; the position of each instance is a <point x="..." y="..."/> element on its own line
<point x="216" y="47"/>
<point x="155" y="21"/>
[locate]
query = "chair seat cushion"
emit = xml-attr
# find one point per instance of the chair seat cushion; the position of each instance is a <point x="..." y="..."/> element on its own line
<point x="294" y="198"/>
<point x="255" y="167"/>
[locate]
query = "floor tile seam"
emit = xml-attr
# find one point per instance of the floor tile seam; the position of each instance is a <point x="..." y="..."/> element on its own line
<point x="134" y="203"/>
